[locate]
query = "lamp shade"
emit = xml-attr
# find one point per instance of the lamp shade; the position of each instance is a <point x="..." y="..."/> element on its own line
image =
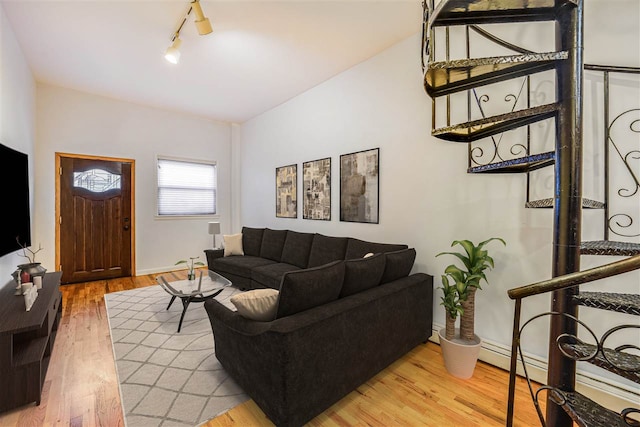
<point x="214" y="228"/>
<point x="173" y="53"/>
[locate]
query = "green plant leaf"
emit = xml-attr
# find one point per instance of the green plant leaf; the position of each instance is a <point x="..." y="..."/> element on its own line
<point x="461" y="257"/>
<point x="481" y="244"/>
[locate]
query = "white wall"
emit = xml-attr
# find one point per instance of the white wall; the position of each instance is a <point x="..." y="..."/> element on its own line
<point x="426" y="197"/>
<point x="17" y="127"/>
<point x="74" y="122"/>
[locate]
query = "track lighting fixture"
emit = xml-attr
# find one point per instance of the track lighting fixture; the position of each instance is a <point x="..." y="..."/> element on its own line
<point x="203" y="25"/>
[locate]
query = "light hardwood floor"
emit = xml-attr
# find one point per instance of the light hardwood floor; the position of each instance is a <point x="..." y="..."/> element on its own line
<point x="81" y="387"/>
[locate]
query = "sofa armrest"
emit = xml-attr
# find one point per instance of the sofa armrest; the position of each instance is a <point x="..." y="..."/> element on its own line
<point x="234" y="321"/>
<point x="213" y="254"/>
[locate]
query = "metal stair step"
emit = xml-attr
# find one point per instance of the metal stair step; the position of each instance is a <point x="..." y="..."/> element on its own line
<point x="609" y="247"/>
<point x="482" y="128"/>
<point x="520" y="165"/>
<point x="587" y="413"/>
<point x="626" y="365"/>
<point x="464" y="12"/>
<point x="548" y="203"/>
<point x="621" y="303"/>
<point x="446" y="77"/>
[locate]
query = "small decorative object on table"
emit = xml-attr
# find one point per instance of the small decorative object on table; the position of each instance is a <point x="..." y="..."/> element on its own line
<point x="30" y="296"/>
<point x="30" y="272"/>
<point x="191" y="265"/>
<point x="16" y="278"/>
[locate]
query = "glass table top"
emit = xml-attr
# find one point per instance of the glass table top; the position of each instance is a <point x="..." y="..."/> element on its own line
<point x="205" y="284"/>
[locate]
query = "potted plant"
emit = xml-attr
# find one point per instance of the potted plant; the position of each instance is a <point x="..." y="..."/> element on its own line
<point x="191" y="265"/>
<point x="459" y="286"/>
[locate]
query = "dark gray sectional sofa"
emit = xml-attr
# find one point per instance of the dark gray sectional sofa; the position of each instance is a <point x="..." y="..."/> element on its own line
<point x="339" y="321"/>
<point x="268" y="254"/>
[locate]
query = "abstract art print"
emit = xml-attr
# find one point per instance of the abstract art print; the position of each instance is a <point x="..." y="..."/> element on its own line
<point x="316" y="185"/>
<point x="359" y="181"/>
<point x="286" y="191"/>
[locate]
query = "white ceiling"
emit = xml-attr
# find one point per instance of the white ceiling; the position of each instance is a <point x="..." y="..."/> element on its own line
<point x="260" y="54"/>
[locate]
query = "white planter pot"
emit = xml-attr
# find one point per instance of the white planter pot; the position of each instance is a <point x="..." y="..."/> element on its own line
<point x="459" y="356"/>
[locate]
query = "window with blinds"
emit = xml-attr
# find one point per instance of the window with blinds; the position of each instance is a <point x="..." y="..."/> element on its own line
<point x="186" y="187"/>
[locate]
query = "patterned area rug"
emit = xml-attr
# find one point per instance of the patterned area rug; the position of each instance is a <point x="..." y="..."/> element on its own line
<point x="167" y="378"/>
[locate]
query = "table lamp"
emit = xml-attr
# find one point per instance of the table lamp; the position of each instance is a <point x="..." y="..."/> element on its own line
<point x="214" y="228"/>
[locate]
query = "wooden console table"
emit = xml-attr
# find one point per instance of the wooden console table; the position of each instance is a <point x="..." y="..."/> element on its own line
<point x="26" y="341"/>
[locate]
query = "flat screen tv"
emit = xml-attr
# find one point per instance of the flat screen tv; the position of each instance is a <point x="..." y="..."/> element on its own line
<point x="14" y="193"/>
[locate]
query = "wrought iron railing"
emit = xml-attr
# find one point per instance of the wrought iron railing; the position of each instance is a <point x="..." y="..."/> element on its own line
<point x="558" y="283"/>
<point x="619" y="223"/>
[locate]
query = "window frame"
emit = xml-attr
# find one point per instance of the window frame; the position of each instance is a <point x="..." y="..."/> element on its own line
<point x="213" y="163"/>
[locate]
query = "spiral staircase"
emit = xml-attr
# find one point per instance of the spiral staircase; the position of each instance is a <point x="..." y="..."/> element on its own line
<point x="448" y="81"/>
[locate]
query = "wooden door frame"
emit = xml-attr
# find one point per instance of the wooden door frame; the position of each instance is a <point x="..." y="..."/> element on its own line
<point x="132" y="201"/>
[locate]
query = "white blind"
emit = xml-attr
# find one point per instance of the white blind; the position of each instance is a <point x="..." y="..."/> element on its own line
<point x="186" y="187"/>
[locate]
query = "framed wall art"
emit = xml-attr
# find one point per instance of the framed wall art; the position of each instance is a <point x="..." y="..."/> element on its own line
<point x="286" y="191"/>
<point x="316" y="189"/>
<point x="359" y="186"/>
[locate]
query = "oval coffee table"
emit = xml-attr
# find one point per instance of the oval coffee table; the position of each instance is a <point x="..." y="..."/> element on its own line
<point x="199" y="290"/>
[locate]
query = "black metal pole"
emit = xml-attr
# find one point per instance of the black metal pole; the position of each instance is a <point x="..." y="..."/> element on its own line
<point x="568" y="199"/>
<point x="515" y="342"/>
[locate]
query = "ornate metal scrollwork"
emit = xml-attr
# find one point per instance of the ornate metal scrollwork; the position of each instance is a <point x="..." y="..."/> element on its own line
<point x="622" y="224"/>
<point x="477" y="152"/>
<point x="425" y="49"/>
<point x="622" y="363"/>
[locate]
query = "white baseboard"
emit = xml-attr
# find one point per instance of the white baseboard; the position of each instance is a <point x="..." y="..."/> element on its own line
<point x="605" y="391"/>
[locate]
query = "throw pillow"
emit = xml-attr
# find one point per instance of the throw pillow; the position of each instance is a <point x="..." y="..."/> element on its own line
<point x="233" y="244"/>
<point x="361" y="274"/>
<point x="305" y="289"/>
<point x="258" y="304"/>
<point x="398" y="264"/>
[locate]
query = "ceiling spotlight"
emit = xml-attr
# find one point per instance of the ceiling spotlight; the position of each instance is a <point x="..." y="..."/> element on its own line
<point x="202" y="23"/>
<point x="173" y="53"/>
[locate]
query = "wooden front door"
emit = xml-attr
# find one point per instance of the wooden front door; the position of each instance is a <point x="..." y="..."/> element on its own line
<point x="95" y="221"/>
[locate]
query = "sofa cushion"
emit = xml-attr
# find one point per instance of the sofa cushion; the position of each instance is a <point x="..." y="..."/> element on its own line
<point x="296" y="248"/>
<point x="305" y="289"/>
<point x="362" y="274"/>
<point x="271" y="275"/>
<point x="239" y="265"/>
<point x="326" y="249"/>
<point x="358" y="248"/>
<point x="398" y="264"/>
<point x="233" y="244"/>
<point x="258" y="304"/>
<point x="252" y="240"/>
<point x="272" y="244"/>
